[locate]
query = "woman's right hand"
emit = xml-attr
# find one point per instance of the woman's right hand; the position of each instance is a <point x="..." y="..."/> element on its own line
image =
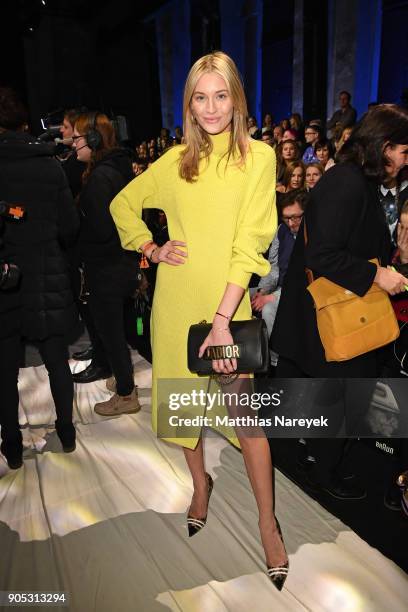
<point x="169" y="253"/>
<point x="392" y="282"/>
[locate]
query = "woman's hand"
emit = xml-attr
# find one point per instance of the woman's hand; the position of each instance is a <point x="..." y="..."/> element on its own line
<point x="392" y="282"/>
<point x="169" y="253"/>
<point x="259" y="300"/>
<point x="402" y="241"/>
<point x="219" y="336"/>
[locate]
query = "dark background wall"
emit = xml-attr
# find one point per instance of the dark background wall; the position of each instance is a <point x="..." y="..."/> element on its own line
<point x="131" y="58"/>
<point x="277" y="53"/>
<point x="315" y="59"/>
<point x="393" y="79"/>
<point x="72" y="53"/>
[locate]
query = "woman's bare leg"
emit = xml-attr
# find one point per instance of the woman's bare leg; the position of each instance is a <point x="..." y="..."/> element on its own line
<point x="258" y="463"/>
<point x="195" y="462"/>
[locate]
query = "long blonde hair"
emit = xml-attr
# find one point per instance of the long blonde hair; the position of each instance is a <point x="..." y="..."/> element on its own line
<point x="198" y="143"/>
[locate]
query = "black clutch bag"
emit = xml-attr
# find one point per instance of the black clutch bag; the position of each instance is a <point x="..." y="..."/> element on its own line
<point x="250" y="347"/>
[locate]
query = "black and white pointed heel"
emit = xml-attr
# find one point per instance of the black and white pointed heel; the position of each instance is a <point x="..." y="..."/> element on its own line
<point x="279" y="573"/>
<point x="195" y="525"/>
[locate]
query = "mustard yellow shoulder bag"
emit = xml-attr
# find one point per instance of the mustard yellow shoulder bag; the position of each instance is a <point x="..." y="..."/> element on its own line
<point x="350" y="325"/>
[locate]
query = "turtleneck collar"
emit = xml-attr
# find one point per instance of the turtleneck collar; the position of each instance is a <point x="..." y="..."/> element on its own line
<point x="220" y="142"/>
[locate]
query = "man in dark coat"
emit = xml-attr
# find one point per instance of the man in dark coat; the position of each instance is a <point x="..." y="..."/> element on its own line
<point x="41" y="308"/>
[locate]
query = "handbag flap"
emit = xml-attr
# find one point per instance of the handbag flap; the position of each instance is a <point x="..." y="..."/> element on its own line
<point x="326" y="293"/>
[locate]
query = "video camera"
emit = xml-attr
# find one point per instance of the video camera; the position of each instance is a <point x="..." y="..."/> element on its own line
<point x="9" y="273"/>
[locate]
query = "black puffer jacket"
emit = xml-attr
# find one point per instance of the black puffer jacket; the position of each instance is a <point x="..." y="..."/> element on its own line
<point x="29" y="176"/>
<point x="109" y="269"/>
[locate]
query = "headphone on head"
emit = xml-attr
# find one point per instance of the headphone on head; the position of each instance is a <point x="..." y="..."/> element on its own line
<point x="93" y="137"/>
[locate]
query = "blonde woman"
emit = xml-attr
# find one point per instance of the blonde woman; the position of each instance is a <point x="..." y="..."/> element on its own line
<point x="314" y="173"/>
<point x="344" y="136"/>
<point x="218" y="193"/>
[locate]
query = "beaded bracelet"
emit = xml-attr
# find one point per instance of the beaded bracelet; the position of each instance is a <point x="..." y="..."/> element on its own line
<point x="146" y="246"/>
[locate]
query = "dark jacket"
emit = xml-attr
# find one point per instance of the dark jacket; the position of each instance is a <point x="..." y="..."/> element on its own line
<point x="346" y="227"/>
<point x="74" y="170"/>
<point x="346" y="118"/>
<point x="286" y="243"/>
<point x="108" y="267"/>
<point x="29" y="176"/>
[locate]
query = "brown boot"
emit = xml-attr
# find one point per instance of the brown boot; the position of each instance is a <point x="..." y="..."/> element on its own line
<point x="118" y="404"/>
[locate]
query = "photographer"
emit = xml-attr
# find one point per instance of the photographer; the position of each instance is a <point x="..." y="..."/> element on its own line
<point x="40" y="308"/>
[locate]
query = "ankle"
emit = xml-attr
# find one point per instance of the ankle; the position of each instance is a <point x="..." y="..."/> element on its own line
<point x="267" y="520"/>
<point x="200" y="483"/>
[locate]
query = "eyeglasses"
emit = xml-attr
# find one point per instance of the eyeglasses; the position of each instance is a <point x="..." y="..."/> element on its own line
<point x="310" y="133"/>
<point x="75" y="138"/>
<point x="292" y="218"/>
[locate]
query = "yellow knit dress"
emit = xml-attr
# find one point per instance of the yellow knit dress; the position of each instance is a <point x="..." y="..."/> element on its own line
<point x="227" y="218"/>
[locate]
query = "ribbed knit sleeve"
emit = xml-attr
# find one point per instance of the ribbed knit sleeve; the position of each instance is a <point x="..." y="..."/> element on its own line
<point x="257" y="221"/>
<point x="126" y="209"/>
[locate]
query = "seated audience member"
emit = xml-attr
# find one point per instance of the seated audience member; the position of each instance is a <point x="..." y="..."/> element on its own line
<point x="267" y="137"/>
<point x="265" y="299"/>
<point x="287" y="151"/>
<point x="277" y="135"/>
<point x="324" y="151"/>
<point x="314" y="173"/>
<point x="141" y="152"/>
<point x="178" y="135"/>
<point x="152" y="153"/>
<point x="267" y="122"/>
<point x="296" y="122"/>
<point x="293" y="177"/>
<point x="290" y="134"/>
<point x="285" y="124"/>
<point x="344" y="135"/>
<point x="312" y="135"/>
<point x="164" y="140"/>
<point x="252" y="127"/>
<point x="345" y="115"/>
<point x="138" y="167"/>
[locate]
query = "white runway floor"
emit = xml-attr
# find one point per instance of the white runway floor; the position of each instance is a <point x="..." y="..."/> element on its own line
<point x="106" y="524"/>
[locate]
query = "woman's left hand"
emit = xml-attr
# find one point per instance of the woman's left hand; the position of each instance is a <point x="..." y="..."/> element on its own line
<point x="219" y="337"/>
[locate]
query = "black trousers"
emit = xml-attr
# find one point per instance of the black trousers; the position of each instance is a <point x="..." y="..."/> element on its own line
<point x="109" y="343"/>
<point x="337" y="398"/>
<point x="54" y="353"/>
